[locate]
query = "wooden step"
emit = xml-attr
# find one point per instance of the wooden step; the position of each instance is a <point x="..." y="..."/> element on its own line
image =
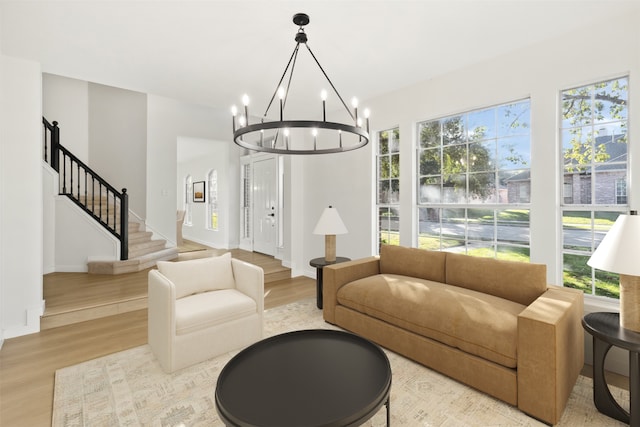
<point x="274" y="271"/>
<point x="132" y="265"/>
<point x="139" y="236"/>
<point x="78" y="297"/>
<point x="61" y="318"/>
<point x="145" y="247"/>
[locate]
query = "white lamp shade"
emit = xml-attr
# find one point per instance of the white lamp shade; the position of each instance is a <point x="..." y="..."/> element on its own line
<point x="330" y="223"/>
<point x="617" y="252"/>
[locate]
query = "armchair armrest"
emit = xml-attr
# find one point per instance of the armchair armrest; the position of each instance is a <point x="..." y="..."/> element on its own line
<point x="550" y="352"/>
<point x="249" y="280"/>
<point x="161" y="314"/>
<point x="337" y="275"/>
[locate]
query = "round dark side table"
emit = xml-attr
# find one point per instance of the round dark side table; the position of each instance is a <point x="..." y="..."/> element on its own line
<point x="319" y="264"/>
<point x="308" y="378"/>
<point x="607" y="332"/>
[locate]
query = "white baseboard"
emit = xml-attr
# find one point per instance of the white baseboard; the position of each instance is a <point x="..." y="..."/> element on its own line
<point x="72" y="268"/>
<point x="33" y="315"/>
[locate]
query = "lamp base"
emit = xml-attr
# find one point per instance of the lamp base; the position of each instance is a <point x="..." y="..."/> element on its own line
<point x="330" y="247"/>
<point x="630" y="302"/>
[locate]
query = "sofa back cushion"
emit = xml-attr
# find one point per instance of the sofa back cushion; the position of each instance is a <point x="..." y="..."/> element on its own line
<point x="414" y="262"/>
<point x="199" y="275"/>
<point x="521" y="282"/>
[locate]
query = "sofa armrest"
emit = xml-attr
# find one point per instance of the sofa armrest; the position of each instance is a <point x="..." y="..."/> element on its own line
<point x="550" y="352"/>
<point x="337" y="275"/>
<point x="249" y="280"/>
<point x="161" y="315"/>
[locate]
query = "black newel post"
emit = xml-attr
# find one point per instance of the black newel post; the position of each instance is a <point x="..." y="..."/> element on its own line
<point x="124" y="226"/>
<point x="55" y="147"/>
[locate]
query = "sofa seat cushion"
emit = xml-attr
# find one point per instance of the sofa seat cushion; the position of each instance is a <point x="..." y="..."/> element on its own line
<point x="208" y="309"/>
<point x="477" y="323"/>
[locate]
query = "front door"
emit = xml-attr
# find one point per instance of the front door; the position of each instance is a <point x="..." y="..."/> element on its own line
<point x="265" y="224"/>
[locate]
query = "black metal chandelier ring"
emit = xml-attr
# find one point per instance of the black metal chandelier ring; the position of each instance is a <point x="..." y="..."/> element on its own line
<point x="310" y="124"/>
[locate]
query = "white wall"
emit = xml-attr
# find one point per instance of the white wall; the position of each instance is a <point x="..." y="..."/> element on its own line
<point x="66" y="101"/>
<point x="198" y="157"/>
<point x="168" y="119"/>
<point x="539" y="72"/>
<point x="49" y="194"/>
<point x="83" y="239"/>
<point x="21" y="302"/>
<point x="118" y="141"/>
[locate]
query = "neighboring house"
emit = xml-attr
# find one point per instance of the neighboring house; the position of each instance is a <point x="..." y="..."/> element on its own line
<point x="610" y="177"/>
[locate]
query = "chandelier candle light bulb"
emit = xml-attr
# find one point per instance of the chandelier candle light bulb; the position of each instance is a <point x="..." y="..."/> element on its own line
<point x="354" y="104"/>
<point x="323" y="96"/>
<point x="234" y="113"/>
<point x="245" y="134"/>
<point x="245" y="102"/>
<point x="366" y="117"/>
<point x="281" y="96"/>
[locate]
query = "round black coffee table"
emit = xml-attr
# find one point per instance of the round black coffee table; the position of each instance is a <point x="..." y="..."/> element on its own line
<point x="305" y="378"/>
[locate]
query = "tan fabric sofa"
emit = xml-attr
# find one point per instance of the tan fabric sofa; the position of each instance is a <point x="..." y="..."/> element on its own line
<point x="493" y="325"/>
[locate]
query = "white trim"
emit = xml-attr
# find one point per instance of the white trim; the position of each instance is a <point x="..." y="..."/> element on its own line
<point x="32" y="325"/>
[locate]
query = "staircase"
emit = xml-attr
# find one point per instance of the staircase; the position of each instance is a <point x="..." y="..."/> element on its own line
<point x="143" y="253"/>
<point x="106" y="205"/>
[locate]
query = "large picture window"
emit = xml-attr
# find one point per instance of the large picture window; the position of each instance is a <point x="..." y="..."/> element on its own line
<point x="474" y="182"/>
<point x="388" y="172"/>
<point x="595" y="175"/>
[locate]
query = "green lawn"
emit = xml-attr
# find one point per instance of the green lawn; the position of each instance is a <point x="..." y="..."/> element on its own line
<point x="576" y="274"/>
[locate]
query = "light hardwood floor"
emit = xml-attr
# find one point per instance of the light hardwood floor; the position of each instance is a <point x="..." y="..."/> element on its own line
<point x="28" y="363"/>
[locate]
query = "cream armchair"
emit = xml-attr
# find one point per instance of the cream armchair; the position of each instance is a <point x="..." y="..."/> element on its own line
<point x="201" y="308"/>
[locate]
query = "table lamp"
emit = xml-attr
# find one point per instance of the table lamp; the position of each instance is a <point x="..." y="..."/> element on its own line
<point x="618" y="253"/>
<point x="330" y="224"/>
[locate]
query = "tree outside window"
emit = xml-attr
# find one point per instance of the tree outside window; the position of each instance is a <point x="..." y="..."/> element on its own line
<point x="474" y="182"/>
<point x="595" y="175"/>
<point x="388" y="186"/>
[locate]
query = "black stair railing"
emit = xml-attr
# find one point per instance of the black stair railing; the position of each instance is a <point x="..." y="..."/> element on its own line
<point x="87" y="189"/>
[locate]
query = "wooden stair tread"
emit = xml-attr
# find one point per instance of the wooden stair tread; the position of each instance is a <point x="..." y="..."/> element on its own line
<point x="78" y="297"/>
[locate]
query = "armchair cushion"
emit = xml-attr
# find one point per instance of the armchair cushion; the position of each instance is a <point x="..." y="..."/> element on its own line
<point x="199" y="275"/>
<point x="212" y="308"/>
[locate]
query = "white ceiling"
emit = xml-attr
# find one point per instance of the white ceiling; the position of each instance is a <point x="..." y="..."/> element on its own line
<point x="211" y="52"/>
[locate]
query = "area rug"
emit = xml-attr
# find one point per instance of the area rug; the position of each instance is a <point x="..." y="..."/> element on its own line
<point x="130" y="389"/>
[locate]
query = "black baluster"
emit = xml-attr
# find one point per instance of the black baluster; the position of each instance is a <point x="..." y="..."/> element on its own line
<point x="124" y="225"/>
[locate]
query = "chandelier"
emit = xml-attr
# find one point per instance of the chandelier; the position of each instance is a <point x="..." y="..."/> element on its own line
<point x="311" y="136"/>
